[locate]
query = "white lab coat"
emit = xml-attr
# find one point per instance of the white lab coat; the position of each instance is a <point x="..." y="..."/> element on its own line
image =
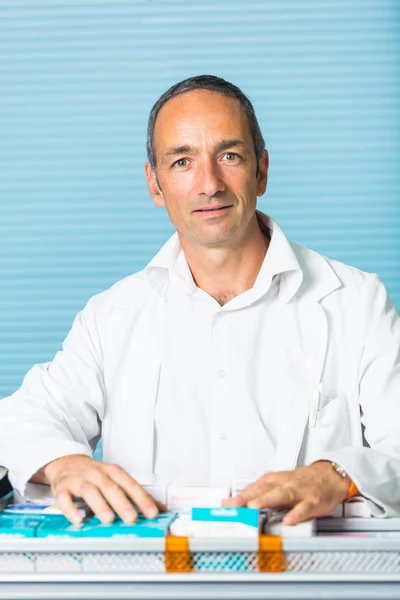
<point x="342" y="364"/>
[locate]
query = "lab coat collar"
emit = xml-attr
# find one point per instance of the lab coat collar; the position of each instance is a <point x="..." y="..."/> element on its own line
<point x="158" y="269"/>
<point x="302" y="271"/>
<point x="280" y="259"/>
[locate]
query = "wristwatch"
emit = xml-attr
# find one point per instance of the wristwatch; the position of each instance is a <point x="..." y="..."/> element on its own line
<point x="353" y="490"/>
<point x="340" y="470"/>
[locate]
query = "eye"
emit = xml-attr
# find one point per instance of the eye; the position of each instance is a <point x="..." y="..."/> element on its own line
<point x="181" y="162"/>
<point x="231" y="156"/>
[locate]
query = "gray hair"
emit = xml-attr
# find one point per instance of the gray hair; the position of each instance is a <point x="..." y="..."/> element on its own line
<point x="213" y="84"/>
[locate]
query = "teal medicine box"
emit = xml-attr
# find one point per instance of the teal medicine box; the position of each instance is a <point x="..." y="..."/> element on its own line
<point x="19" y="525"/>
<point x="56" y="526"/>
<point x="143" y="528"/>
<point x="247" y="516"/>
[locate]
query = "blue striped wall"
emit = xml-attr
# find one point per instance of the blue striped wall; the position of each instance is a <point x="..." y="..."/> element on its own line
<point x="77" y="81"/>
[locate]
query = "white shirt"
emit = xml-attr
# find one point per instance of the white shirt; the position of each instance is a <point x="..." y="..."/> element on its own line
<point x="214" y="397"/>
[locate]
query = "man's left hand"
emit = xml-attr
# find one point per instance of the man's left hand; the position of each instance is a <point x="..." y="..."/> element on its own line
<point x="312" y="491"/>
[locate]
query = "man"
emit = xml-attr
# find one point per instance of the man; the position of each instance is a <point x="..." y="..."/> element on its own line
<point x="234" y="353"/>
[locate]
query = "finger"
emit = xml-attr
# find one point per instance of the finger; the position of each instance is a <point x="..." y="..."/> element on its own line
<point x="134" y="491"/>
<point x="118" y="500"/>
<point x="234" y="501"/>
<point x="301" y="512"/>
<point x="65" y="502"/>
<point x="251" y="492"/>
<point x="160" y="505"/>
<point x="256" y="489"/>
<point x="96" y="501"/>
<point x="277" y="497"/>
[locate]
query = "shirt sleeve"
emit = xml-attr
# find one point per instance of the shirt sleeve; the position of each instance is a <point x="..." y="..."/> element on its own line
<point x="376" y="469"/>
<point x="59" y="407"/>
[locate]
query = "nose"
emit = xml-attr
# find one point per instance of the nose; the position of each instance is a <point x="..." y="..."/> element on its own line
<point x="209" y="179"/>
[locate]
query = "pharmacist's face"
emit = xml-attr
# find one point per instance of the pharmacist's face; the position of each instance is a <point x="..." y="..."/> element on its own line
<point x="206" y="168"/>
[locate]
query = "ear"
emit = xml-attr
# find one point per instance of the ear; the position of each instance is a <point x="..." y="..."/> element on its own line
<point x="263" y="174"/>
<point x="155" y="192"/>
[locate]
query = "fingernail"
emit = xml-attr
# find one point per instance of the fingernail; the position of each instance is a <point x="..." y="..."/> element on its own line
<point x="129" y="516"/>
<point x="238" y="499"/>
<point x="152" y="513"/>
<point x="106" y="517"/>
<point x="77" y="519"/>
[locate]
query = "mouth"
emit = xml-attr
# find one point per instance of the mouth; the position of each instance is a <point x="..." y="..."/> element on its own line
<point x="215" y="210"/>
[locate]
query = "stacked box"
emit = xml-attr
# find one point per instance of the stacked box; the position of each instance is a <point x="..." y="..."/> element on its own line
<point x="57" y="526"/>
<point x="143" y="528"/>
<point x="19" y="525"/>
<point x="218" y="522"/>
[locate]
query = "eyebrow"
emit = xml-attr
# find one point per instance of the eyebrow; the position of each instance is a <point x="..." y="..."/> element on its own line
<point x="223" y="145"/>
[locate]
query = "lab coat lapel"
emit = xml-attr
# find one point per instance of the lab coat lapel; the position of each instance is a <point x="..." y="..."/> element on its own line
<point x="305" y="342"/>
<point x="301" y="371"/>
<point x="135" y="389"/>
<point x="146" y="362"/>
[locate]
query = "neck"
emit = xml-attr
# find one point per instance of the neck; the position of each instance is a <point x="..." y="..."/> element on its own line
<point x="227" y="272"/>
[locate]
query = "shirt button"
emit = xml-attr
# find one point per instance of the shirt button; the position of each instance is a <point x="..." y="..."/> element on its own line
<point x="223" y="436"/>
<point x="222" y="314"/>
<point x="221" y="373"/>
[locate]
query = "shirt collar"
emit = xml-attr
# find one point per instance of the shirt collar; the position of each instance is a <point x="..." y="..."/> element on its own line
<point x="280" y="259"/>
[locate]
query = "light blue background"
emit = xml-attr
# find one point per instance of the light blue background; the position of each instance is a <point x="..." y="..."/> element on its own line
<point x="77" y="81"/>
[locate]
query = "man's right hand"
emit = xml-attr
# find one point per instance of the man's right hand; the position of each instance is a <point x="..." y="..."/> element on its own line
<point x="106" y="488"/>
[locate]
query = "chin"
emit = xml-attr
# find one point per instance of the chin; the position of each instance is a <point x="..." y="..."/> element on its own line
<point x="215" y="240"/>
